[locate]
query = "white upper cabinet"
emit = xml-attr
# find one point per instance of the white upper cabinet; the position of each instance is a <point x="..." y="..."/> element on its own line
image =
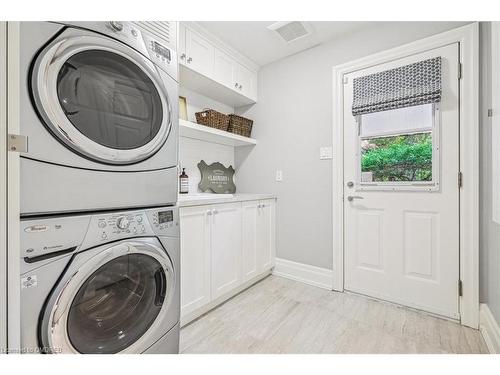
<point x="246" y="81"/>
<point x="210" y="68"/>
<point x="199" y="54"/>
<point x="225" y="69"/>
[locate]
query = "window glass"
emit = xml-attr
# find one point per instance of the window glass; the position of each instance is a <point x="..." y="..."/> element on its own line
<point x="109" y="99"/>
<point x="397" y="146"/>
<point x="117" y="304"/>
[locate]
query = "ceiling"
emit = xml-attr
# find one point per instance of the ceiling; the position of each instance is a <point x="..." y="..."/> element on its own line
<point x="254" y="40"/>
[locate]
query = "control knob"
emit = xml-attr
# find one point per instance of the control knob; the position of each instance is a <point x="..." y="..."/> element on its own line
<point x="116" y="25"/>
<point x="122" y="222"/>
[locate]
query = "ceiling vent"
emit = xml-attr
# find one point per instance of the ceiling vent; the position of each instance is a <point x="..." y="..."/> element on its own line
<point x="291" y="30"/>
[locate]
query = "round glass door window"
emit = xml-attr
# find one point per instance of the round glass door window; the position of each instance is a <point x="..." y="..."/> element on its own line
<point x="117" y="304"/>
<point x="109" y="99"/>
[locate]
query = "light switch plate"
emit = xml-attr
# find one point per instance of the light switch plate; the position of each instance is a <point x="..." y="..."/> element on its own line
<point x="326" y="153"/>
<point x="279" y="175"/>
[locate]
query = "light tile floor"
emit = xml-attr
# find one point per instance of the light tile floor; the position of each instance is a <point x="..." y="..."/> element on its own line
<point x="278" y="315"/>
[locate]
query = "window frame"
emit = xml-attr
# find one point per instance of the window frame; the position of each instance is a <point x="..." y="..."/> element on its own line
<point x="430" y="186"/>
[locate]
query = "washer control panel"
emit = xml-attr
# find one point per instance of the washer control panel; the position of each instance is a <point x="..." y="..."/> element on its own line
<point x="112" y="227"/>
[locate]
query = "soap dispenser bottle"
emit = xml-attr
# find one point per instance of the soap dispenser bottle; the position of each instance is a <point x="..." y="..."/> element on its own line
<point x="183" y="182"/>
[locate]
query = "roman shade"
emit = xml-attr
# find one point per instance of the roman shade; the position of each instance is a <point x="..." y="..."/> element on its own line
<point x="406" y="86"/>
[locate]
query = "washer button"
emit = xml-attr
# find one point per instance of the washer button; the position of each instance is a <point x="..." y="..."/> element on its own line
<point x="102" y="224"/>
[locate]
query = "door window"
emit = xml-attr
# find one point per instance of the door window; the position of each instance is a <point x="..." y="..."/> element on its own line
<point x="109" y="99"/>
<point x="117" y="304"/>
<point x="399" y="148"/>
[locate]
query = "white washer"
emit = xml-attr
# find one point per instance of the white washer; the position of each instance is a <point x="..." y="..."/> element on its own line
<point x="102" y="283"/>
<point x="99" y="105"/>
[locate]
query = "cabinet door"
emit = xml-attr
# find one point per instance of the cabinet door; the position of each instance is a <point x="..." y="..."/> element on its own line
<point x="199" y="53"/>
<point x="246" y="80"/>
<point x="266" y="232"/>
<point x="249" y="240"/>
<point x="224" y="69"/>
<point x="195" y="258"/>
<point x="226" y="248"/>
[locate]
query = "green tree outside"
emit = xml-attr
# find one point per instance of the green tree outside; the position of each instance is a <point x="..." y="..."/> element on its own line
<point x="398" y="158"/>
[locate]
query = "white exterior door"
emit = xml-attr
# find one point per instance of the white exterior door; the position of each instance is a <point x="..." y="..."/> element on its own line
<point x="195" y="258"/>
<point x="226" y="248"/>
<point x="401" y="196"/>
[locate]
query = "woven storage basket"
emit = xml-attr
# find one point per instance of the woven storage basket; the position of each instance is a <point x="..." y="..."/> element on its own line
<point x="240" y="125"/>
<point x="213" y="119"/>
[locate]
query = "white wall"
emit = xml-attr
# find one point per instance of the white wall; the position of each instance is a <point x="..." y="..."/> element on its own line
<point x="293" y="119"/>
<point x="191" y="151"/>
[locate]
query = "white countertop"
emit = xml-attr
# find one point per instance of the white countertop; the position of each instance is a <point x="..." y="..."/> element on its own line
<point x="186" y="200"/>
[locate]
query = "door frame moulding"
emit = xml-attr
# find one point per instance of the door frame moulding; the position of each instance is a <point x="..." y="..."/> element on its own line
<point x="468" y="39"/>
<point x="3" y="186"/>
<point x="13" y="183"/>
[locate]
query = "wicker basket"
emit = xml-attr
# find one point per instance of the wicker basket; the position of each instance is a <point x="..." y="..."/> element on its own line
<point x="213" y="119"/>
<point x="240" y="125"/>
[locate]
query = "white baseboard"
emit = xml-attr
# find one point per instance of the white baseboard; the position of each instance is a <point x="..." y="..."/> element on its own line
<point x="312" y="275"/>
<point x="489" y="328"/>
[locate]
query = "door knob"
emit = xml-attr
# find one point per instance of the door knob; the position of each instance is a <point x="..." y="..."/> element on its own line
<point x="350" y="198"/>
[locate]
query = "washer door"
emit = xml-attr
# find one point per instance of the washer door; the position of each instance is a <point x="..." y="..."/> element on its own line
<point x="101" y="98"/>
<point x="111" y="302"/>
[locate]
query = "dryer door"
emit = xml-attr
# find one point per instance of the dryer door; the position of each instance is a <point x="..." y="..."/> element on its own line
<point x="115" y="301"/>
<point x="101" y="98"/>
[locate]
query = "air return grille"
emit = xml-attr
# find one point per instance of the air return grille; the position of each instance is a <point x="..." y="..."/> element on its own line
<point x="163" y="30"/>
<point x="290" y="31"/>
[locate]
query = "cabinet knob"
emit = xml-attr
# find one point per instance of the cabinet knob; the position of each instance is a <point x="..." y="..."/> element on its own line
<point x="240" y="87"/>
<point x="209" y="212"/>
<point x="189" y="59"/>
<point x="183" y="56"/>
<point x="215" y="212"/>
<point x="236" y="85"/>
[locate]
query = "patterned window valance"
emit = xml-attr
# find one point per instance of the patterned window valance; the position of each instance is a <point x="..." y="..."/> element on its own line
<point x="406" y="86"/>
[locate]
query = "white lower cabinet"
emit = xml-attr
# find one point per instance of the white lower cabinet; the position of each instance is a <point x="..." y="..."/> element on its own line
<point x="258" y="222"/>
<point x="195" y="258"/>
<point x="223" y="246"/>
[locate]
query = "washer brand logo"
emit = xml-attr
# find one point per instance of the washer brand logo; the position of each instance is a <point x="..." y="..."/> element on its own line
<point x="29" y="282"/>
<point x="36" y="228"/>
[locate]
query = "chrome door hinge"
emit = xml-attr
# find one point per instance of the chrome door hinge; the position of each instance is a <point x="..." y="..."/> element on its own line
<point x="490" y="112"/>
<point x="460" y="179"/>
<point x="17" y="143"/>
<point x="460" y="70"/>
<point x="460" y="289"/>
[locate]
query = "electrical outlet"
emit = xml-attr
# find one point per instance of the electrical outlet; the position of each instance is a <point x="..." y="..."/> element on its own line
<point x="326" y="153"/>
<point x="279" y="175"/>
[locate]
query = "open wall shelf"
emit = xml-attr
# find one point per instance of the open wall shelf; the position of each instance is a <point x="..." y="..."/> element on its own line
<point x="190" y="129"/>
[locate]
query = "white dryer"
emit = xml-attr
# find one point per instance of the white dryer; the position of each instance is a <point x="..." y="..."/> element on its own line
<point x="101" y="283"/>
<point x="99" y="105"/>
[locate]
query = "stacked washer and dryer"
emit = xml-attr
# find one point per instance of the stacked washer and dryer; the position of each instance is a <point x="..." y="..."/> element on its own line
<point x="99" y="223"/>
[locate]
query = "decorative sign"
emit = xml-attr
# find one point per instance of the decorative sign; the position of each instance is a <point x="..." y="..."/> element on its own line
<point x="217" y="178"/>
